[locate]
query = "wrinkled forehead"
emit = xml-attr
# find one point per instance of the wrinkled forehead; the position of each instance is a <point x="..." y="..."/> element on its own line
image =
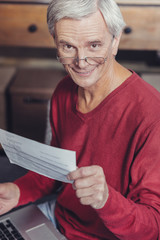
<point x="78" y="28"/>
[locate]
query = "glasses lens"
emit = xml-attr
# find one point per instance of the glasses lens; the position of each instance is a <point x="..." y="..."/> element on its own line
<point x="95" y="60"/>
<point x="89" y="60"/>
<point x="66" y="60"/>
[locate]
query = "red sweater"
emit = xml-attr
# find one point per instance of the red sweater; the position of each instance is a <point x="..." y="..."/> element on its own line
<point x="122" y="135"/>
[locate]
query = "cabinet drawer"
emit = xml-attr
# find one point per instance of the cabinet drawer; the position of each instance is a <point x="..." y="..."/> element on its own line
<point x="24" y="25"/>
<point x="143" y="28"/>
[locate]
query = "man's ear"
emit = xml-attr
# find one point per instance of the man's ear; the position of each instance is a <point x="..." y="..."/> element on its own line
<point x="115" y="44"/>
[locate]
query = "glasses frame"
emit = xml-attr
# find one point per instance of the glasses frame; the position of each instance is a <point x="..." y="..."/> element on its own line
<point x="85" y="59"/>
<point x="75" y="60"/>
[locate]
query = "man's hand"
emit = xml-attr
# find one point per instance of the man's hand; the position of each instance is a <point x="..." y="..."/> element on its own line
<point x="9" y="196"/>
<point x="90" y="186"/>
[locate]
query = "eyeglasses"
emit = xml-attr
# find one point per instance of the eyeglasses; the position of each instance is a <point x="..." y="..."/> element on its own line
<point x="89" y="60"/>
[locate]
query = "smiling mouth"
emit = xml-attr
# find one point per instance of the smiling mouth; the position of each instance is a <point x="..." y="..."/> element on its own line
<point x="84" y="73"/>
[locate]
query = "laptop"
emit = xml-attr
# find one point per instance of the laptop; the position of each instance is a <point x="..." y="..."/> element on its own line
<point x="28" y="223"/>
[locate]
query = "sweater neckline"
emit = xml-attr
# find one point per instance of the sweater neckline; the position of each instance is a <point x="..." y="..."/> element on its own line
<point x="85" y="116"/>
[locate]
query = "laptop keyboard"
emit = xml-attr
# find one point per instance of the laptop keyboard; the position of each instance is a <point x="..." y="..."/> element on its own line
<point x="8" y="231"/>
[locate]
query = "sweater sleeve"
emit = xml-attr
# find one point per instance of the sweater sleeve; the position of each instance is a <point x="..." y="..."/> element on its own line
<point x="34" y="186"/>
<point x="137" y="215"/>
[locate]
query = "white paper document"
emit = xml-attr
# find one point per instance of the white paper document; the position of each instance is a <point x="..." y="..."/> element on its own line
<point x="46" y="160"/>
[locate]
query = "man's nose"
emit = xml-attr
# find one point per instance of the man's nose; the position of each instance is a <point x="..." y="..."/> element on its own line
<point x="81" y="62"/>
<point x="81" y="59"/>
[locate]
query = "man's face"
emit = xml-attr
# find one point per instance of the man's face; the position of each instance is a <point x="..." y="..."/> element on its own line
<point x="88" y="37"/>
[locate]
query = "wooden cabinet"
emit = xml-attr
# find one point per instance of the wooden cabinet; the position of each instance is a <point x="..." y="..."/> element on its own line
<point x="25" y="25"/>
<point x="143" y="28"/>
<point x="30" y="93"/>
<point x="6" y="75"/>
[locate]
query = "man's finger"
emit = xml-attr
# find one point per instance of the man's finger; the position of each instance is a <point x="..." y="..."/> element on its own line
<point x="84" y="172"/>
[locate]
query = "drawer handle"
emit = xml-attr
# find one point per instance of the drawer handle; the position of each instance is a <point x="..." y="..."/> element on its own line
<point x="32" y="28"/>
<point x="30" y="100"/>
<point x="127" y="30"/>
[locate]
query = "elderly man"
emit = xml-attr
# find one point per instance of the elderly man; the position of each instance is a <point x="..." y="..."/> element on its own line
<point x="111" y="118"/>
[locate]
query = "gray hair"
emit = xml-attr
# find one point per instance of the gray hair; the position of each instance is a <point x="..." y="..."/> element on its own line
<point x="77" y="9"/>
